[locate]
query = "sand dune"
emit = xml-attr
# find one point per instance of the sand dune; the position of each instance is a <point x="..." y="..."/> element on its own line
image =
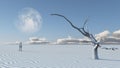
<point x="56" y="56"/>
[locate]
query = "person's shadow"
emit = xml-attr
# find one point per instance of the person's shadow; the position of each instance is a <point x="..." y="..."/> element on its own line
<point x="110" y="59"/>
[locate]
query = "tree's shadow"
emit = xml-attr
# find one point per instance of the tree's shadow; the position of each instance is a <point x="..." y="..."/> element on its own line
<point x="110" y="59"/>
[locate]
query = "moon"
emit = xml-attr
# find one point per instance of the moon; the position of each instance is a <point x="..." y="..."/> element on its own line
<point x="29" y="20"/>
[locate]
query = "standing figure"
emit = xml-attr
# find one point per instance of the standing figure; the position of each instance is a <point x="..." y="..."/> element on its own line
<point x="20" y="46"/>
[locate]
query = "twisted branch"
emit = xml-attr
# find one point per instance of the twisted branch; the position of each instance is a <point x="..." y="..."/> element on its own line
<point x="81" y="30"/>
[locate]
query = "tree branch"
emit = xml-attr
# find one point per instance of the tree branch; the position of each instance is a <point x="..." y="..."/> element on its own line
<point x="69" y="22"/>
<point x="81" y="30"/>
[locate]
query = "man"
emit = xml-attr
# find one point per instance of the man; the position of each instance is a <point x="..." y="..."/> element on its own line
<point x="20" y="46"/>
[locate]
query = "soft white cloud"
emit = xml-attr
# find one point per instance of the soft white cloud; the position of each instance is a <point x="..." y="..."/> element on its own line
<point x="102" y="35"/>
<point x="11" y="43"/>
<point x="29" y="20"/>
<point x="116" y="34"/>
<point x="36" y="40"/>
<point x="70" y="40"/>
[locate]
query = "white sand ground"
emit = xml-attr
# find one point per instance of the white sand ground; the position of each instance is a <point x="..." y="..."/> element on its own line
<point x="57" y="56"/>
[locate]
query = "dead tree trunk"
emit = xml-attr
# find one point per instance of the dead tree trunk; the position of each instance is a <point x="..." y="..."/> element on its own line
<point x="86" y="34"/>
<point x="95" y="56"/>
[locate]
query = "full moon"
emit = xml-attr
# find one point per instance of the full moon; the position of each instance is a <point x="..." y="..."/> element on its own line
<point x="29" y="20"/>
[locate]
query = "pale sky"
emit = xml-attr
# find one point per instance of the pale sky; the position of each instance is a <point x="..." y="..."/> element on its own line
<point x="102" y="15"/>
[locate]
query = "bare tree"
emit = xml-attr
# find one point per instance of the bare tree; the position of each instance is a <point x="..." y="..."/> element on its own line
<point x="85" y="33"/>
